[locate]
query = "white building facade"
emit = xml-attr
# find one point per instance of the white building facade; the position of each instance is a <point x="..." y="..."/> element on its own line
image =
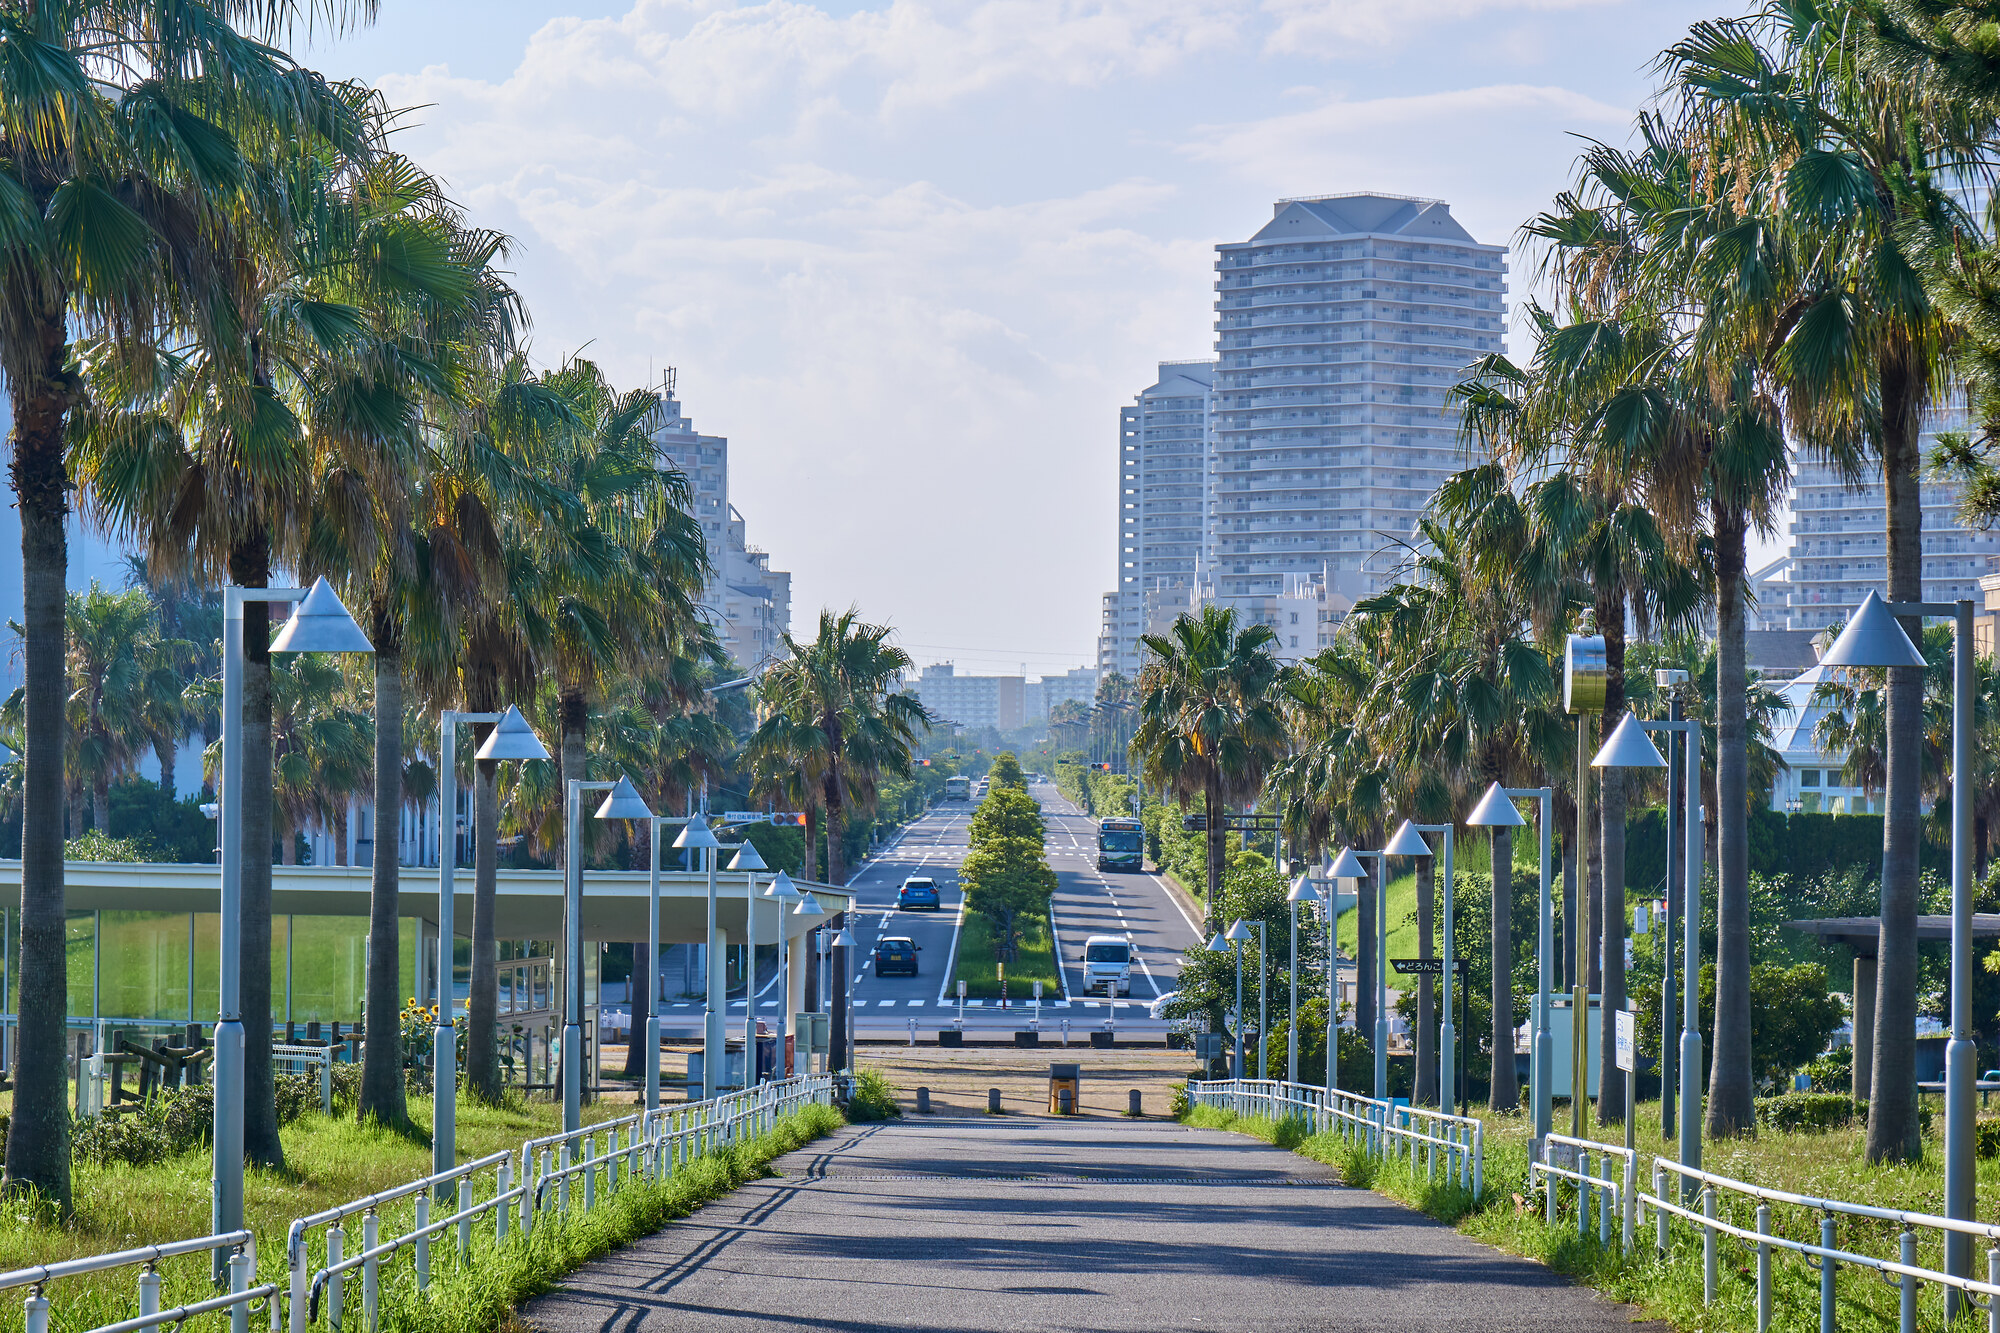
<point x="1341" y="325"/>
<point x="1163" y="476"/>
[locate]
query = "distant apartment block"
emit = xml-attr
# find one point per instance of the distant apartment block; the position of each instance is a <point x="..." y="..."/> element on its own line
<point x="1043" y="695"/>
<point x="1163" y="477"/>
<point x="747" y="602"/>
<point x="1340" y="327"/>
<point x="971" y="702"/>
<point x="1840" y="539"/>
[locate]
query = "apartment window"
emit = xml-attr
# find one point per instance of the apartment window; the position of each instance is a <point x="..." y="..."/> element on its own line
<point x="1809" y="777"/>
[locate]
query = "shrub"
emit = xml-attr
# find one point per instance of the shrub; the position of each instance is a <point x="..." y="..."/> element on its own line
<point x="1988" y="1144"/>
<point x="1812" y="1112"/>
<point x="175" y="1121"/>
<point x="872" y="1098"/>
<point x="1178" y="1104"/>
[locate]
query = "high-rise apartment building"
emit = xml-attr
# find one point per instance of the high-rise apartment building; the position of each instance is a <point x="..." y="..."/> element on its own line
<point x="1163" y="473"/>
<point x="1840" y="543"/>
<point x="748" y="603"/>
<point x="971" y="702"/>
<point x="1340" y="327"/>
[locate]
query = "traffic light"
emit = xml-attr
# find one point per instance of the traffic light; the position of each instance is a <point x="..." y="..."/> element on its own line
<point x="923" y="763"/>
<point x="789" y="819"/>
<point x="1102" y="768"/>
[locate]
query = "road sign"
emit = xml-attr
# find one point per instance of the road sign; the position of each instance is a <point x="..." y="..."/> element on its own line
<point x="746" y="816"/>
<point x="1428" y="967"/>
<point x="1627" y="1046"/>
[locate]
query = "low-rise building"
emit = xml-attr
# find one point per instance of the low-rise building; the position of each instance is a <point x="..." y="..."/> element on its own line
<point x="971" y="702"/>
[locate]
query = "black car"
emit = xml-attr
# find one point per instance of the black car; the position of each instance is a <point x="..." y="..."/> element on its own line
<point x="896" y="953"/>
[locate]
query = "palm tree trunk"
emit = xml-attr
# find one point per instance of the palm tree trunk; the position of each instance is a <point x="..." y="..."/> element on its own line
<point x="1731" y="1098"/>
<point x="1217" y="842"/>
<point x="250" y="567"/>
<point x="1426" y="1034"/>
<point x="1504" y="1093"/>
<point x="100" y="803"/>
<point x="482" y="1021"/>
<point x="637" y="999"/>
<point x="1611" y="858"/>
<point x="340" y="832"/>
<point x="1892" y="1105"/>
<point x="168" y="753"/>
<point x="382" y="1093"/>
<point x="38" y="1134"/>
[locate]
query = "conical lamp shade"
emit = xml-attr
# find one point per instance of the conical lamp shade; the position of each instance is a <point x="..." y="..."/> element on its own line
<point x="1237" y="930"/>
<point x="1628" y="747"/>
<point x="1347" y="866"/>
<point x="781" y="888"/>
<point x="624" y="802"/>
<point x="746" y="858"/>
<point x="808" y="906"/>
<point x="1218" y="945"/>
<point x="695" y="834"/>
<point x="512" y="738"/>
<point x="1407" y="842"/>
<point x="320" y="624"/>
<point x="1872" y="639"/>
<point x="1302" y="891"/>
<point x="1495" y="810"/>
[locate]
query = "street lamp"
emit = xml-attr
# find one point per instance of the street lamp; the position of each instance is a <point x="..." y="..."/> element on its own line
<point x="1874" y="639"/>
<point x="1232" y="940"/>
<point x="1586" y="685"/>
<point x="747" y="860"/>
<point x="318" y="624"/>
<point x="844" y="940"/>
<point x="622" y="801"/>
<point x="695" y="836"/>
<point x="1496" y="809"/>
<point x="1626" y="747"/>
<point x="1448" y="1032"/>
<point x="781" y="892"/>
<point x="1689" y="1054"/>
<point x="1348" y="866"/>
<point x="1302" y="892"/>
<point x="1406" y="842"/>
<point x="810" y="911"/>
<point x="511" y="738"/>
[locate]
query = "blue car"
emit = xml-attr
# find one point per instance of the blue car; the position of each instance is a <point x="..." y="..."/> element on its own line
<point x="918" y="891"/>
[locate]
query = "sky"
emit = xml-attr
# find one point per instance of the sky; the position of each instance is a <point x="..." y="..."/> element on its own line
<point x="912" y="257"/>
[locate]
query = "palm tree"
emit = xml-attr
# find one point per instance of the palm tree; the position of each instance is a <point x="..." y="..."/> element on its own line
<point x="829" y="708"/>
<point x="101" y="112"/>
<point x="1211" y="722"/>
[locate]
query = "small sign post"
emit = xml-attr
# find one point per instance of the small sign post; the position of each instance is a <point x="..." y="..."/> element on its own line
<point x="1038" y="1006"/>
<point x="1625" y="1027"/>
<point x="961" y="1004"/>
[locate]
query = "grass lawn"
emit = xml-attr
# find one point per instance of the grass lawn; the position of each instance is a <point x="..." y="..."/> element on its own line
<point x="1034" y="960"/>
<point x="328" y="1161"/>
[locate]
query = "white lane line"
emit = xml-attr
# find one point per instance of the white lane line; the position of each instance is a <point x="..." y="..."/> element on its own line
<point x="1055" y="938"/>
<point x="951" y="955"/>
<point x="1140" y="959"/>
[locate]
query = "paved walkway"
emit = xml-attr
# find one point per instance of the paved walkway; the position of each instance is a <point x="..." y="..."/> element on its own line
<point x="1043" y="1224"/>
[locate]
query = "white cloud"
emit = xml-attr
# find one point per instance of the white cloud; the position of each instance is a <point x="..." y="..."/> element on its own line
<point x="1334" y="27"/>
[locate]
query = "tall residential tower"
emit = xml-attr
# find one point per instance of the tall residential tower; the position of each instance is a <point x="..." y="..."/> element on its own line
<point x="1163" y="443"/>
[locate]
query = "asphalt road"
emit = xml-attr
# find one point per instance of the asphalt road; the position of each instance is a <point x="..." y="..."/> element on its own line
<point x="1087" y="902"/>
<point x="1085" y="1224"/>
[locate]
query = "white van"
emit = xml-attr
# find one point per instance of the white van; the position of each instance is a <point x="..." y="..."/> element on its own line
<point x="1107" y="962"/>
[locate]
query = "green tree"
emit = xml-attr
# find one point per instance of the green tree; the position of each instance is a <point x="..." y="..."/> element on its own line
<point x="1006" y="772"/>
<point x="1007" y="812"/>
<point x="1005" y="877"/>
<point x="1211" y="722"/>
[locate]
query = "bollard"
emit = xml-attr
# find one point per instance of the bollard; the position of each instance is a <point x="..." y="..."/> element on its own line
<point x="1763" y="1269"/>
<point x="1708" y="1246"/>
<point x="993" y="1101"/>
<point x="1629" y="1199"/>
<point x="589" y="1160"/>
<point x="1604" y="1199"/>
<point x="1660" y="1214"/>
<point x="38" y="1311"/>
<point x="1826" y="1269"/>
<point x="923" y="1101"/>
<point x="1907" y="1314"/>
<point x="464" y="1222"/>
<point x="1065" y="1032"/>
<point x="336" y="1286"/>
<point x="1132" y="1103"/>
<point x="1063" y="1105"/>
<point x="370" y="1273"/>
<point x="423" y="1242"/>
<point x="149" y="1290"/>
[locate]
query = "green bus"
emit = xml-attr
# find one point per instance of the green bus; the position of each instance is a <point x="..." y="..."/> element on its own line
<point x="1121" y="844"/>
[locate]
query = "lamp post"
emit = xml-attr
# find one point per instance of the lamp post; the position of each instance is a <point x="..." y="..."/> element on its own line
<point x="1690" y="1043"/>
<point x="1302" y="892"/>
<point x="810" y="912"/>
<point x="747" y="860"/>
<point x="1586" y="683"/>
<point x="1626" y="747"/>
<point x="622" y="801"/>
<point x="781" y="892"/>
<point x="843" y="940"/>
<point x="1495" y="810"/>
<point x="696" y="835"/>
<point x="318" y="624"/>
<point x="1406" y="842"/>
<point x="1228" y="942"/>
<point x="1874" y="639"/>
<point x="1674" y="682"/>
<point x="1448" y="1030"/>
<point x="1347" y="865"/>
<point x="1263" y="1009"/>
<point x="511" y="738"/>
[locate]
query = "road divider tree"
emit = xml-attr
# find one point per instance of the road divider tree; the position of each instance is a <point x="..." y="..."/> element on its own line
<point x="1007" y="882"/>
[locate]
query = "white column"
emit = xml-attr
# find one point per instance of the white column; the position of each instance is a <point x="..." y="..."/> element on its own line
<point x="716" y="1074"/>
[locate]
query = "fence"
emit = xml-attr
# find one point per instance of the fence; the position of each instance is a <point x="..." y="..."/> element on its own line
<point x="1714" y="1192"/>
<point x="1422" y="1138"/>
<point x="504" y="1191"/>
<point x="306" y="1057"/>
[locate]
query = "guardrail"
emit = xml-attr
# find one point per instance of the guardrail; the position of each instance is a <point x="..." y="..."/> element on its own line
<point x="1905" y="1272"/>
<point x="240" y="1300"/>
<point x="510" y="1188"/>
<point x="1565" y="1158"/>
<point x="1416" y="1135"/>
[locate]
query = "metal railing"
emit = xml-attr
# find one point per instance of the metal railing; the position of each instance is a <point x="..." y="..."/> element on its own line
<point x="1424" y="1139"/>
<point x="1565" y="1158"/>
<point x="240" y="1299"/>
<point x="304" y="1057"/>
<point x="1711" y="1192"/>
